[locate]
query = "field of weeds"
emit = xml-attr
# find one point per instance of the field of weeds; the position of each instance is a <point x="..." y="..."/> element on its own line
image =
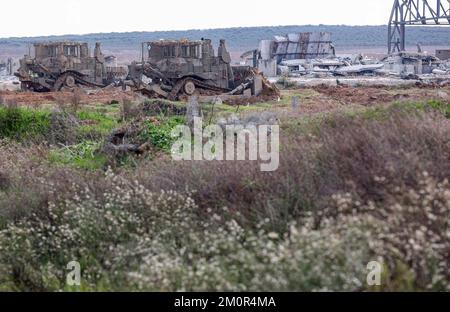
<point x="356" y="183"/>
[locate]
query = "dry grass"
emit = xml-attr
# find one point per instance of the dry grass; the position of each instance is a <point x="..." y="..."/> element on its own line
<point x="349" y="190"/>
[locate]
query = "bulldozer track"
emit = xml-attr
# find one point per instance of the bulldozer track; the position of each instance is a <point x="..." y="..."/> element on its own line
<point x="175" y="75"/>
<point x="78" y="79"/>
<point x="198" y="84"/>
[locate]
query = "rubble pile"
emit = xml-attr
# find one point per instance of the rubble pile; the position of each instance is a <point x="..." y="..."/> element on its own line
<point x="6" y="67"/>
<point x="332" y="66"/>
<point x="411" y="63"/>
<point x="313" y="55"/>
<point x="307" y="54"/>
<point x="7" y="80"/>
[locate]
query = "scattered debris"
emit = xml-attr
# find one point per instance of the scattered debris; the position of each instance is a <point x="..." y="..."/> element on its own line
<point x="157" y="107"/>
<point x="307" y="54"/>
<point x="177" y="70"/>
<point x="416" y="63"/>
<point x="126" y="140"/>
<point x="299" y="46"/>
<point x="6" y="67"/>
<point x="443" y="54"/>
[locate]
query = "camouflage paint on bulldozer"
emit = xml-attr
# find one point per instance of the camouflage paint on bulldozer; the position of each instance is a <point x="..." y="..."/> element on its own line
<point x="58" y="65"/>
<point x="171" y="69"/>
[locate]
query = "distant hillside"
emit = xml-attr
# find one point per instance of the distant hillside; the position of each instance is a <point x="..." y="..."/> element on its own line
<point x="242" y="39"/>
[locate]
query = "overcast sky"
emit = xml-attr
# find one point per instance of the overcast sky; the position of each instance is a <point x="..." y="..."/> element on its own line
<point x="52" y="17"/>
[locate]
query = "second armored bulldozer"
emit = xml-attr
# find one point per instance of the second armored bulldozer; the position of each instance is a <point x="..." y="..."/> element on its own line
<point x="58" y="65"/>
<point x="172" y="69"/>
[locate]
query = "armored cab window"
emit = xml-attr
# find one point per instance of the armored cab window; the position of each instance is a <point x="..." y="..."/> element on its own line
<point x="169" y="51"/>
<point x="70" y="50"/>
<point x="51" y="51"/>
<point x="185" y="51"/>
<point x="193" y="51"/>
<point x="190" y="51"/>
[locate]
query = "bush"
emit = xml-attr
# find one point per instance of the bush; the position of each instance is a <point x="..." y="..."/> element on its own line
<point x="20" y="123"/>
<point x="95" y="125"/>
<point x="129" y="238"/>
<point x="84" y="155"/>
<point x="342" y="153"/>
<point x="351" y="191"/>
<point x="159" y="133"/>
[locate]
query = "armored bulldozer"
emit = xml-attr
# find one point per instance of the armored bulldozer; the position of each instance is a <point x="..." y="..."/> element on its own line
<point x="172" y="69"/>
<point x="59" y="65"/>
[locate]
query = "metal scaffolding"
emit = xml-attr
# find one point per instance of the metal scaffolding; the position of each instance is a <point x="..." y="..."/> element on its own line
<point x="415" y="12"/>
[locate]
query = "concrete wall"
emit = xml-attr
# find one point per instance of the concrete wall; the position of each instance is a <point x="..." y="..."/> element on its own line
<point x="443" y="54"/>
<point x="268" y="67"/>
<point x="405" y="68"/>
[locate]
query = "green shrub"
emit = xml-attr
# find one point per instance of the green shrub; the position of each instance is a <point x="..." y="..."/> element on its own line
<point x="159" y="133"/>
<point x="354" y="190"/>
<point x="84" y="155"/>
<point x="97" y="124"/>
<point x="21" y="123"/>
<point x="442" y="107"/>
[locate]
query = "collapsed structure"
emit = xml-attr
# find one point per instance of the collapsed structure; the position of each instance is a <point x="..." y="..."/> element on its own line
<point x="313" y="55"/>
<point x="413" y="63"/>
<point x="6" y="67"/>
<point x="305" y="53"/>
<point x="176" y="69"/>
<point x="66" y="64"/>
<point x="305" y="46"/>
<point x="170" y="69"/>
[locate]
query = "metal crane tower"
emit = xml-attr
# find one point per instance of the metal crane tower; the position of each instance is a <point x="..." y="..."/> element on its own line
<point x="415" y="12"/>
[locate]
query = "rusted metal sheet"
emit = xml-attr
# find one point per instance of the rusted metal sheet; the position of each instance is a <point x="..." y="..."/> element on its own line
<point x="303" y="46"/>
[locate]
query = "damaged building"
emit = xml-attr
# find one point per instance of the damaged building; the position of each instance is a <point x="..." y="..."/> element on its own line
<point x="6" y="67"/>
<point x="306" y="46"/>
<point x="312" y="54"/>
<point x="416" y="63"/>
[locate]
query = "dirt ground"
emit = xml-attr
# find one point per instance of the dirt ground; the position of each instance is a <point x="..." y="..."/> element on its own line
<point x="326" y="99"/>
<point x="369" y="96"/>
<point x="84" y="97"/>
<point x="311" y="100"/>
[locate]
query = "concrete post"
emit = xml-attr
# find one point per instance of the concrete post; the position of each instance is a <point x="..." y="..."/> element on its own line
<point x="192" y="110"/>
<point x="295" y="103"/>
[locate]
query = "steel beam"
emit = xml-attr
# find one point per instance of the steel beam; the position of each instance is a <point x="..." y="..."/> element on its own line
<point x="414" y="12"/>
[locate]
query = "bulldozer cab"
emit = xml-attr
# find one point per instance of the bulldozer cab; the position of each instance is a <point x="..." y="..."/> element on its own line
<point x="68" y="64"/>
<point x="171" y="61"/>
<point x="175" y="69"/>
<point x="61" y="49"/>
<point x="166" y="49"/>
